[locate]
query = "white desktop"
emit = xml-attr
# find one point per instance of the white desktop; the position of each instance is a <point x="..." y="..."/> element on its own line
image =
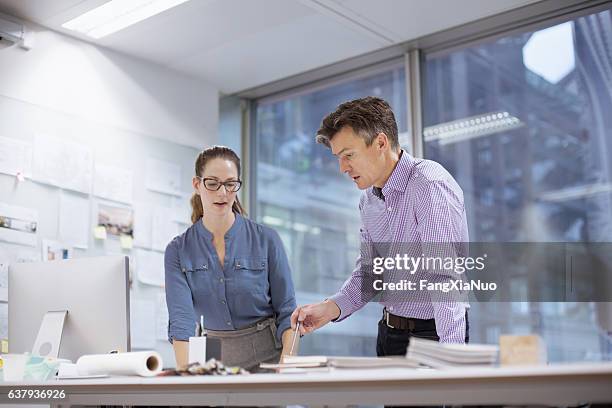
<point x="94" y="292"/>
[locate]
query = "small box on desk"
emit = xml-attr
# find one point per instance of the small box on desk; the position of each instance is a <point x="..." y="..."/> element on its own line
<point x="515" y="350"/>
<point x="203" y="348"/>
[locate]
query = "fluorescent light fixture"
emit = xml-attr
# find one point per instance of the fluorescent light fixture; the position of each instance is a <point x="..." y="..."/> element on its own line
<point x="472" y="127"/>
<point x="576" y="192"/>
<point x="117" y="15"/>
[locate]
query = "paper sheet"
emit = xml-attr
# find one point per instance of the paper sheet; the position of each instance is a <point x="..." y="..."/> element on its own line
<point x="62" y="163"/>
<point x="150" y="267"/>
<point x="126" y="241"/>
<point x="116" y="220"/>
<point x="55" y="250"/>
<point x="182" y="208"/>
<point x="113" y="183"/>
<point x="143" y="220"/>
<point x="163" y="176"/>
<point x="3" y="320"/>
<point x="162" y="317"/>
<point x="164" y="228"/>
<point x="4" y="281"/>
<point x="15" y="157"/>
<point x="74" y="220"/>
<point x="18" y="224"/>
<point x="100" y="232"/>
<point x="142" y="324"/>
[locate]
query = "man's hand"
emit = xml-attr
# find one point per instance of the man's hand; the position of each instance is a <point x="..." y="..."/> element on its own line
<point x="314" y="316"/>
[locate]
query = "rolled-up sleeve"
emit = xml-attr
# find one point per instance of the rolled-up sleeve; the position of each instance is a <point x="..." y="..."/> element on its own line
<point x="281" y="284"/>
<point x="178" y="297"/>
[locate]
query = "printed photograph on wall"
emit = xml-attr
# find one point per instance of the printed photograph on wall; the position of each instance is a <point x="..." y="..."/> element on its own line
<point x="54" y="250"/>
<point x="117" y="221"/>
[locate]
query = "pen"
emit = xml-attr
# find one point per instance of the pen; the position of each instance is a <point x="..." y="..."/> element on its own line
<point x="295" y="334"/>
<point x="201" y="325"/>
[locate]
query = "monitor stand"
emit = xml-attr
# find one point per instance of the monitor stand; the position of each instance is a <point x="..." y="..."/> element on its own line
<point x="49" y="337"/>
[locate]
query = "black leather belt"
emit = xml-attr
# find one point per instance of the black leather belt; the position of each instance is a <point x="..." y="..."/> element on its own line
<point x="407" y="323"/>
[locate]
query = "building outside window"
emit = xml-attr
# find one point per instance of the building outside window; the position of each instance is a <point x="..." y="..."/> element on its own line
<point x="524" y="124"/>
<point x="302" y="195"/>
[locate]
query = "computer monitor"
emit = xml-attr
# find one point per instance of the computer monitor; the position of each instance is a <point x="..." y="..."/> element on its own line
<point x="94" y="291"/>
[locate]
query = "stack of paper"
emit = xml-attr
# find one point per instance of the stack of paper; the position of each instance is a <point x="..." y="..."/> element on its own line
<point x="309" y="362"/>
<point x="439" y="355"/>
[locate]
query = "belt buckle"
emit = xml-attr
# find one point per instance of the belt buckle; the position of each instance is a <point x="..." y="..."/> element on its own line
<point x="387" y="320"/>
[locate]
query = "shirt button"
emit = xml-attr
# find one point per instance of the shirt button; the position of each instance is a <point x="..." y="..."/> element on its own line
<point x="184" y="270"/>
<point x="223" y="302"/>
<point x="221" y="280"/>
<point x="389" y="209"/>
<point x="390" y="308"/>
<point x="229" y="323"/>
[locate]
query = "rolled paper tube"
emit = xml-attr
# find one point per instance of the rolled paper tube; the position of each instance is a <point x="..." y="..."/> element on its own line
<point x="142" y="363"/>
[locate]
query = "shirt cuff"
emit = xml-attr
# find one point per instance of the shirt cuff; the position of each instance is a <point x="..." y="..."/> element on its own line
<point x="344" y="303"/>
<point x="282" y="326"/>
<point x="180" y="335"/>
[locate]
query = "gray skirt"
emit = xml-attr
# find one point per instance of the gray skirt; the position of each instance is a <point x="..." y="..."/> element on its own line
<point x="250" y="346"/>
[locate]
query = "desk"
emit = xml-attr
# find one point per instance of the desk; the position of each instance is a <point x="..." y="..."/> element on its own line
<point x="549" y="385"/>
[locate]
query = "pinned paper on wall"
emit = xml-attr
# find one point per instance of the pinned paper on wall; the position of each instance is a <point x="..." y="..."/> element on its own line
<point x="182" y="209"/>
<point x="3" y="320"/>
<point x="164" y="228"/>
<point x="100" y="232"/>
<point x="150" y="267"/>
<point x="15" y="157"/>
<point x="162" y="317"/>
<point x="113" y="183"/>
<point x="116" y="220"/>
<point x="143" y="220"/>
<point x="4" y="281"/>
<point x="163" y="177"/>
<point x="142" y="324"/>
<point x="62" y="163"/>
<point x="18" y="224"/>
<point x="54" y="250"/>
<point x="74" y="220"/>
<point x="126" y="242"/>
<point x="26" y="255"/>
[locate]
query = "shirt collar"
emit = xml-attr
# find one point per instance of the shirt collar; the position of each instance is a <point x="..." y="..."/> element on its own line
<point x="234" y="229"/>
<point x="398" y="180"/>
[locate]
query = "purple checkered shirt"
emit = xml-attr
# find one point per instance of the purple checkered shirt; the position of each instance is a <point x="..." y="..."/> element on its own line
<point x="423" y="204"/>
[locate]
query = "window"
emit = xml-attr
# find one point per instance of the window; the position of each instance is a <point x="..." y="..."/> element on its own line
<point x="524" y="125"/>
<point x="302" y="195"/>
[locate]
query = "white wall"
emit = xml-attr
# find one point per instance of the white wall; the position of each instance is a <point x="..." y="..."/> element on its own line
<point x="71" y="76"/>
<point x="124" y="109"/>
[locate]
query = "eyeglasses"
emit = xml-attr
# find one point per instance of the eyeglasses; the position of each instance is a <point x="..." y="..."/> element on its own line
<point x="212" y="184"/>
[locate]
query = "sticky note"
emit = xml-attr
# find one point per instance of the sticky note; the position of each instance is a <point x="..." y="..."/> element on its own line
<point x="100" y="232"/>
<point x="126" y="241"/>
<point x="4" y="346"/>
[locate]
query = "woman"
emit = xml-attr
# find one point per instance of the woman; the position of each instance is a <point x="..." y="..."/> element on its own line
<point x="229" y="270"/>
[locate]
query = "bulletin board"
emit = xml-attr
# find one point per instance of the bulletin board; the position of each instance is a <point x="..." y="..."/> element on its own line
<point x="72" y="187"/>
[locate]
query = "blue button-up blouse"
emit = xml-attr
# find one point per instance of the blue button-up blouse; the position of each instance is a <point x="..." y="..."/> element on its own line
<point x="253" y="283"/>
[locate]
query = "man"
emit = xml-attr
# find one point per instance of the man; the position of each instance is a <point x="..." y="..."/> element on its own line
<point x="405" y="200"/>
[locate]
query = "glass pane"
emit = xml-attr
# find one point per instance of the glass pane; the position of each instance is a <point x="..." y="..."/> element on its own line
<point x="314" y="208"/>
<point x="524" y="125"/>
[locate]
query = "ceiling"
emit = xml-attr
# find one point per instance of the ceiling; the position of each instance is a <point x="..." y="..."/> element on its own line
<point x="241" y="44"/>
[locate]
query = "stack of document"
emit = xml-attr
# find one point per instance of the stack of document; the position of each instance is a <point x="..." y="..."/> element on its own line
<point x="438" y="355"/>
<point x="326" y="362"/>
